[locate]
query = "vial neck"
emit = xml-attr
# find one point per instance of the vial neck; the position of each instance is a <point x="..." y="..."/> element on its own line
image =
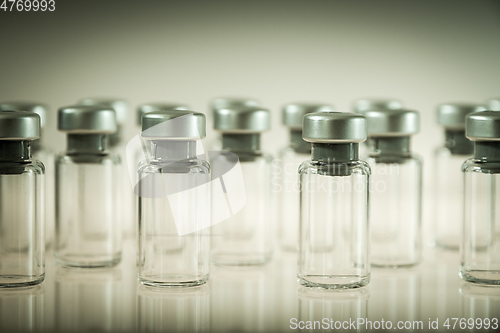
<point x="487" y="151"/>
<point x="239" y="142"/>
<point x="173" y="150"/>
<point x="115" y="138"/>
<point x="398" y="146"/>
<point x="334" y="152"/>
<point x="457" y="142"/>
<point x="87" y="143"/>
<point x="298" y="144"/>
<point x="15" y="151"/>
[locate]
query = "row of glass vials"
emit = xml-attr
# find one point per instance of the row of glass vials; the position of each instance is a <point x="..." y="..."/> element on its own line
<point x="343" y="210"/>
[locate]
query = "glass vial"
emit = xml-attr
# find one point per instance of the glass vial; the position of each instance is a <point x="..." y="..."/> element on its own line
<point x="117" y="142"/>
<point x="396" y="191"/>
<point x="88" y="231"/>
<point x="448" y="182"/>
<point x="244" y="237"/>
<point x="174" y="201"/>
<point x="333" y="233"/>
<point x="44" y="154"/>
<point x="367" y="104"/>
<point x="480" y="248"/>
<point x="290" y="158"/>
<point x="22" y="206"/>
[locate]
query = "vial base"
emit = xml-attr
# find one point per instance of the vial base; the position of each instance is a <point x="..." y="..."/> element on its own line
<point x="448" y="244"/>
<point x="288" y="247"/>
<point x="393" y="263"/>
<point x="172" y="281"/>
<point x="78" y="261"/>
<point x="333" y="281"/>
<point x="17" y="281"/>
<point x="241" y="259"/>
<point x="480" y="276"/>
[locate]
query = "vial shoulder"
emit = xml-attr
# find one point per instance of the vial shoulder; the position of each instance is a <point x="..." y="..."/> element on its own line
<point x="475" y="165"/>
<point x="192" y="166"/>
<point x="315" y="167"/>
<point x="105" y="158"/>
<point x="30" y="167"/>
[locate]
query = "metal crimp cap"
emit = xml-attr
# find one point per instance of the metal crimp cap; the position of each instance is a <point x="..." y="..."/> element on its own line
<point x="483" y="126"/>
<point x="120" y="106"/>
<point x="38" y="108"/>
<point x="231" y="102"/>
<point x="363" y="105"/>
<point x="174" y="125"/>
<point x="393" y="123"/>
<point x="19" y="125"/>
<point x="334" y="127"/>
<point x="494" y="104"/>
<point x="242" y="120"/>
<point x="86" y="119"/>
<point x="150" y="107"/>
<point x="452" y="115"/>
<point x="293" y="113"/>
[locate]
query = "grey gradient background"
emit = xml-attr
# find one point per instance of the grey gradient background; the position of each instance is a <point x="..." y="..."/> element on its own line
<point x="421" y="52"/>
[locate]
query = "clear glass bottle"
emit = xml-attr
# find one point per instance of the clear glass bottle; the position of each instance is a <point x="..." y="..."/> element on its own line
<point x="367" y="104"/>
<point x="287" y="178"/>
<point x="174" y="202"/>
<point x="228" y="102"/>
<point x="117" y="142"/>
<point x="334" y="187"/>
<point x="396" y="191"/>
<point x="480" y="247"/>
<point x="22" y="206"/>
<point x="448" y="191"/>
<point x="88" y="231"/>
<point x="245" y="236"/>
<point x="44" y="154"/>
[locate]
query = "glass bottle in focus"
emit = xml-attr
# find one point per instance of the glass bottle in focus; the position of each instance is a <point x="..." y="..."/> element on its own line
<point x="88" y="231"/>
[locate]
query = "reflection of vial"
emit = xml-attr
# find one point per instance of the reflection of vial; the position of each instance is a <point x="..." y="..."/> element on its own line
<point x="363" y="105"/>
<point x="88" y="231"/>
<point x="42" y="153"/>
<point x="174" y="201"/>
<point x="22" y="309"/>
<point x="289" y="159"/>
<point x="228" y="102"/>
<point x="449" y="181"/>
<point x="396" y="192"/>
<point x="22" y="194"/>
<point x="117" y="142"/>
<point x="480" y="249"/>
<point x="333" y="233"/>
<point x="245" y="238"/>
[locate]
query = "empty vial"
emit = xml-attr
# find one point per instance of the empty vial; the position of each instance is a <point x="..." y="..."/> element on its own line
<point x="396" y="191"/>
<point x="286" y="180"/>
<point x="449" y="157"/>
<point x="245" y="235"/>
<point x="334" y="234"/>
<point x="174" y="201"/>
<point x="378" y="104"/>
<point x="117" y="142"/>
<point x="88" y="232"/>
<point x="480" y="247"/>
<point x="22" y="195"/>
<point x="43" y="153"/>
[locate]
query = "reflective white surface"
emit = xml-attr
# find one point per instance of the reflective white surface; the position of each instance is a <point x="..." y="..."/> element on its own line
<point x="251" y="299"/>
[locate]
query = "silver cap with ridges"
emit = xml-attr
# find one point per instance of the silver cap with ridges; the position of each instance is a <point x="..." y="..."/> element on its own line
<point x="483" y="126"/>
<point x="363" y="105"/>
<point x="120" y="106"/>
<point x="19" y="125"/>
<point x="174" y="125"/>
<point x="160" y="106"/>
<point x="86" y="119"/>
<point x="242" y="120"/>
<point x="294" y="112"/>
<point x="452" y="115"/>
<point x="334" y="127"/>
<point x="392" y="123"/>
<point x="38" y="108"/>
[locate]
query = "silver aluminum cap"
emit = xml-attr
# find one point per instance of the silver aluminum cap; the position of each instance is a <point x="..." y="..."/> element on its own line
<point x="483" y="126"/>
<point x="494" y="104"/>
<point x="174" y="125"/>
<point x="120" y="106"/>
<point x="160" y="106"/>
<point x="242" y="120"/>
<point x="39" y="109"/>
<point x="86" y="119"/>
<point x="19" y="125"/>
<point x="363" y="105"/>
<point x="392" y="123"/>
<point x="452" y="115"/>
<point x="293" y="113"/>
<point x="230" y="102"/>
<point x="334" y="127"/>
